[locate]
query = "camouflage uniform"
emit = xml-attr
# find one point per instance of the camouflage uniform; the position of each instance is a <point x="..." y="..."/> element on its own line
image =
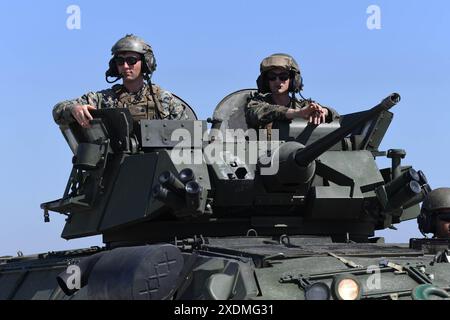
<point x="140" y="104"/>
<point x="262" y="111"/>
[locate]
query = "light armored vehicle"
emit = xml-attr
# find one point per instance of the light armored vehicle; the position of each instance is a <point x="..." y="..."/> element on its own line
<point x="191" y="212"/>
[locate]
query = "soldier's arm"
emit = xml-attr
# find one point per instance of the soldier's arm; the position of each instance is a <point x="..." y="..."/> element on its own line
<point x="63" y="111"/>
<point x="259" y="113"/>
<point x="332" y="114"/>
<point x="173" y="109"/>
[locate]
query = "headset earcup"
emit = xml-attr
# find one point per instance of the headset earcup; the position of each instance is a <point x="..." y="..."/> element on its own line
<point x="432" y="220"/>
<point x="259" y="83"/>
<point x="426" y="222"/>
<point x="296" y="82"/>
<point x="421" y="221"/>
<point x="292" y="85"/>
<point x="150" y="61"/>
<point x="263" y="85"/>
<point x="292" y="82"/>
<point x="112" y="71"/>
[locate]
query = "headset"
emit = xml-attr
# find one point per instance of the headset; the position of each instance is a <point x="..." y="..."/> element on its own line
<point x="295" y="78"/>
<point x="427" y="221"/>
<point x="147" y="58"/>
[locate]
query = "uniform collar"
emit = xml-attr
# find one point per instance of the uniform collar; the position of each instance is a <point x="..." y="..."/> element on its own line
<point x="120" y="88"/>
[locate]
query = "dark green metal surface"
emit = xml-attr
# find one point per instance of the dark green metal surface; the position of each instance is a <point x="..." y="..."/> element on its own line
<point x="229" y="232"/>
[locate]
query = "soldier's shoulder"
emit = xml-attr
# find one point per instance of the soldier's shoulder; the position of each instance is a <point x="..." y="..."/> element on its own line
<point x="161" y="91"/>
<point x="257" y="96"/>
<point x="112" y="92"/>
<point x="156" y="87"/>
<point x="107" y="91"/>
<point x="163" y="94"/>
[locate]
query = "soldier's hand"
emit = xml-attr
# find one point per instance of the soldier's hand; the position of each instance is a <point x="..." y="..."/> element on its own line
<point x="314" y="113"/>
<point x="82" y="115"/>
<point x="319" y="113"/>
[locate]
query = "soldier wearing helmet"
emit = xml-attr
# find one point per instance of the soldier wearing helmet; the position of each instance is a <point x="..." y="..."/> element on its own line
<point x="133" y="62"/>
<point x="435" y="214"/>
<point x="280" y="75"/>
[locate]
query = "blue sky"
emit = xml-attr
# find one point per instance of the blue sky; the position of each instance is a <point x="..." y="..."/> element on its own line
<point x="206" y="50"/>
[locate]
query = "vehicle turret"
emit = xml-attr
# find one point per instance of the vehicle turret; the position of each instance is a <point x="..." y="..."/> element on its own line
<point x="228" y="213"/>
<point x="156" y="180"/>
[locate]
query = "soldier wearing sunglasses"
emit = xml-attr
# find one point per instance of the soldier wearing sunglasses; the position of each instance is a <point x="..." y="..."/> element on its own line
<point x="280" y="75"/>
<point x="435" y="214"/>
<point x="133" y="62"/>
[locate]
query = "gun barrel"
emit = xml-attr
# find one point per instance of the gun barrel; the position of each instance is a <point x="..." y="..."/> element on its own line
<point x="423" y="177"/>
<point x="314" y="150"/>
<point x="396" y="184"/>
<point x="168" y="180"/>
<point x="186" y="175"/>
<point x="418" y="198"/>
<point x="405" y="195"/>
<point x="168" y="197"/>
<point x="193" y="193"/>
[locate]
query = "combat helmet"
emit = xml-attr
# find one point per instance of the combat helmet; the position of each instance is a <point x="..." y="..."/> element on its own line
<point x="280" y="60"/>
<point x="434" y="205"/>
<point x="134" y="44"/>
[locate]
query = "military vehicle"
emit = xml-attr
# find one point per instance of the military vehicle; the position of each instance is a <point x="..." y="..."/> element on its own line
<point x="190" y="212"/>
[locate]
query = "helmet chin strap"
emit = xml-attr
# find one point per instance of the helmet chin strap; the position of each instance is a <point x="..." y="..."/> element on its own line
<point x="112" y="81"/>
<point x="145" y="76"/>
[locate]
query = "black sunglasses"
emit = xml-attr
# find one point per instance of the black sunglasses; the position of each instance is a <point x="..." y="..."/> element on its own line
<point x="444" y="217"/>
<point x="282" y="76"/>
<point x="131" y="61"/>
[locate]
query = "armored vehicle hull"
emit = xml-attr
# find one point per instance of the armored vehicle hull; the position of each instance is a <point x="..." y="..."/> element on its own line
<point x="229" y="215"/>
<point x="234" y="268"/>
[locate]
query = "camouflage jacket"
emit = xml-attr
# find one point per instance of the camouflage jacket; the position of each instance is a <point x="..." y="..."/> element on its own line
<point x="140" y="104"/>
<point x="261" y="110"/>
